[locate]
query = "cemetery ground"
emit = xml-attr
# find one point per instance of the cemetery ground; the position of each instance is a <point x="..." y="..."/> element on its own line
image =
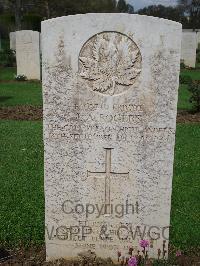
<point x="21" y="170"/>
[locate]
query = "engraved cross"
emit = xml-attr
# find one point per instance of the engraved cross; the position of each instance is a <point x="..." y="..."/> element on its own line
<point x="107" y="175"/>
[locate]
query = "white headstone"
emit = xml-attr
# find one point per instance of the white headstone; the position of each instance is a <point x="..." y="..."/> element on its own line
<point x="197" y="31"/>
<point x="191" y="30"/>
<point x="188" y="48"/>
<point x="188" y="30"/>
<point x="12" y="40"/>
<point x="28" y="53"/>
<point x="110" y="101"/>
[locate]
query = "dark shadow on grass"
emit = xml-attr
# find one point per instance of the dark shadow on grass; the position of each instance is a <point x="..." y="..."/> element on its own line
<point x="5" y="98"/>
<point x="4" y="254"/>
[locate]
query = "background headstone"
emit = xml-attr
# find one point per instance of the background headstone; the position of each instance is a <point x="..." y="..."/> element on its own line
<point x="28" y="53"/>
<point x="188" y="30"/>
<point x="40" y="45"/>
<point x="197" y="31"/>
<point x="12" y="40"/>
<point x="110" y="101"/>
<point x="188" y="48"/>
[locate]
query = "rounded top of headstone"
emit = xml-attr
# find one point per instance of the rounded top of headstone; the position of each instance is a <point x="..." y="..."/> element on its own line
<point x="113" y="15"/>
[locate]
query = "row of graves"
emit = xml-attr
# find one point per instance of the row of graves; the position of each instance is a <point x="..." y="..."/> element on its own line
<point x="110" y="89"/>
<point x="27" y="45"/>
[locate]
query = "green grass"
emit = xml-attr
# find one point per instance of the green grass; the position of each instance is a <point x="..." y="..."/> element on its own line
<point x="30" y="93"/>
<point x="183" y="98"/>
<point x="184" y="94"/>
<point x="185" y="213"/>
<point x="194" y="74"/>
<point x="20" y="93"/>
<point x="22" y="196"/>
<point x="7" y="73"/>
<point x="198" y="65"/>
<point x="21" y="183"/>
<point x="5" y="43"/>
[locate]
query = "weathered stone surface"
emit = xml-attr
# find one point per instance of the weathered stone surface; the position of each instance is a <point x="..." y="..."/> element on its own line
<point x="188" y="48"/>
<point x="191" y="30"/>
<point x="110" y="96"/>
<point x="197" y="31"/>
<point x="28" y="53"/>
<point x="12" y="40"/>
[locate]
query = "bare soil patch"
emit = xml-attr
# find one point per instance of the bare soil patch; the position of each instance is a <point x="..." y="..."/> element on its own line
<point x="188" y="117"/>
<point x="19" y="82"/>
<point x="36" y="256"/>
<point x="31" y="113"/>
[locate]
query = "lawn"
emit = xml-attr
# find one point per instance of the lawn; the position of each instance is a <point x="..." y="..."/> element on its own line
<point x="31" y="92"/>
<point x="21" y="185"/>
<point x="185" y="215"/>
<point x="184" y="94"/>
<point x="21" y="171"/>
<point x="183" y="98"/>
<point x="20" y="93"/>
<point x="194" y="74"/>
<point x="7" y="73"/>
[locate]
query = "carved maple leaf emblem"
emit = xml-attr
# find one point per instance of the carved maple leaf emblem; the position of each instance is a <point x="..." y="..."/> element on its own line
<point x="110" y="59"/>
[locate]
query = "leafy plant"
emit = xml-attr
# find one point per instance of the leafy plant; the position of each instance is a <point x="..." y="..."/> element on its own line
<point x="185" y="79"/>
<point x="182" y="64"/>
<point x="194" y="88"/>
<point x="20" y="78"/>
